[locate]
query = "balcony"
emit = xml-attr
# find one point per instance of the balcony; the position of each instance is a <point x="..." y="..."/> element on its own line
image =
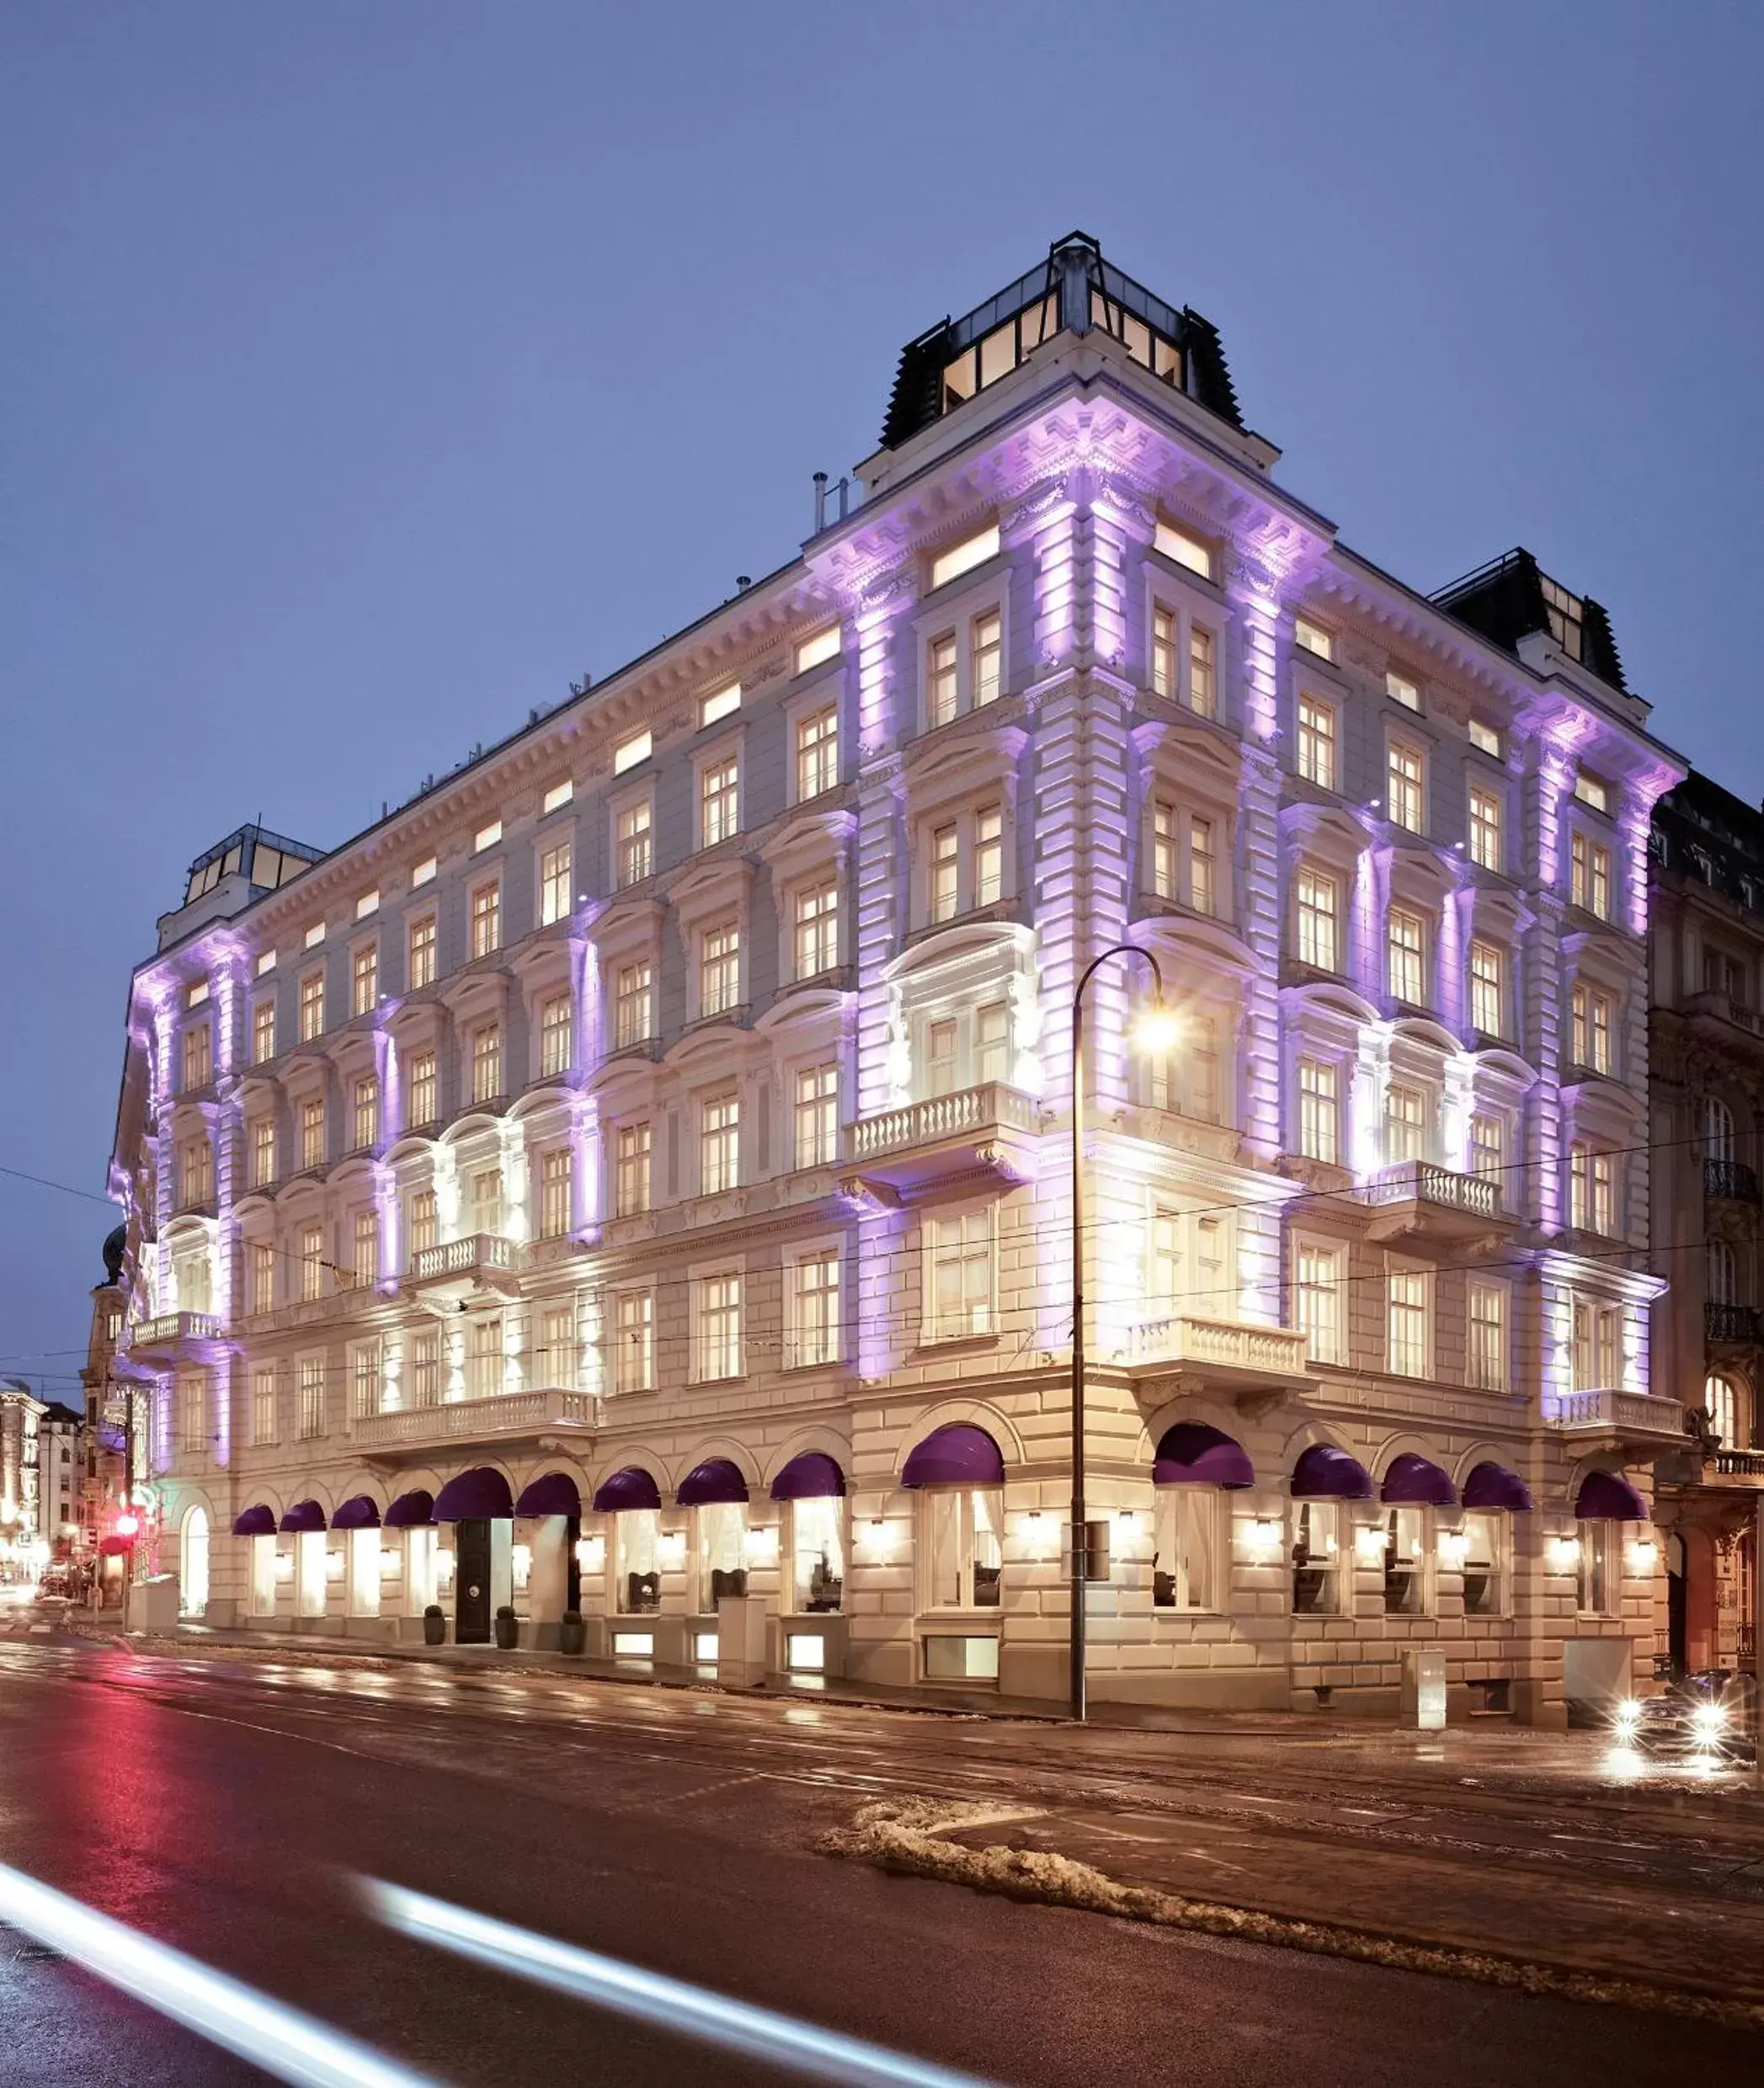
<point x="461" y="1424"/>
<point x="1724" y="1009"/>
<point x="1746" y="1466"/>
<point x="1230" y="1356"/>
<point x="171" y="1341"/>
<point x="1730" y="1323"/>
<point x="990" y="1129"/>
<point x="477" y="1269"/>
<point x="1732" y="1181"/>
<point x="1416" y="1200"/>
<point x="1611" y="1417"/>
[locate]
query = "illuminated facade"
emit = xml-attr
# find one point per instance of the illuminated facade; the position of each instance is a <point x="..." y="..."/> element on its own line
<point x="632" y="1176"/>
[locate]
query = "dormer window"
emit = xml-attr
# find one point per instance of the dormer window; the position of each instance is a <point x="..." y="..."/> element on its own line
<point x="1567" y="617"/>
<point x="997" y="353"/>
<point x="1400" y="689"/>
<point x="1484" y="739"/>
<point x="1144" y="344"/>
<point x="1313" y="638"/>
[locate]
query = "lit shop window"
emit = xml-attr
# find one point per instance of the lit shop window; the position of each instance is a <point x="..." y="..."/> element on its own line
<point x="959" y="1543"/>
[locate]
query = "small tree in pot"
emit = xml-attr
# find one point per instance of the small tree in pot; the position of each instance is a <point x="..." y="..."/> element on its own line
<point x="572" y="1632"/>
<point x="508" y="1628"/>
<point x="435" y="1625"/>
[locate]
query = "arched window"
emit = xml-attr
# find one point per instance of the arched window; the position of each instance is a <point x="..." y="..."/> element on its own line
<point x="1722" y="1276"/>
<point x="1717" y="1130"/>
<point x="193" y="1576"/>
<point x="1723" y="1410"/>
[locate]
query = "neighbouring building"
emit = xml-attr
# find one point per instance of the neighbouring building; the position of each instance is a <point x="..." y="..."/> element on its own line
<point x="1706" y="1059"/>
<point x="21" y="1530"/>
<point x="109" y="1393"/>
<point x="61" y="1477"/>
<point x="634" y="1175"/>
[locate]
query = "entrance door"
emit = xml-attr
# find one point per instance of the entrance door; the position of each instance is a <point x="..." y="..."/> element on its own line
<point x="472" y="1582"/>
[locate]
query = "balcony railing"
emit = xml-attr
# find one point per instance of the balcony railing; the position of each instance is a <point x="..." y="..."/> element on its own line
<point x="942" y="1116"/>
<point x="155" y="1334"/>
<point x="1731" y="1179"/>
<point x="1730" y="1323"/>
<point x="1240" y="1346"/>
<point x="1643" y="1412"/>
<point x="464" y="1257"/>
<point x="1726" y="1009"/>
<point x="509" y="1413"/>
<point x="1421" y="1181"/>
<point x="1738" y="1464"/>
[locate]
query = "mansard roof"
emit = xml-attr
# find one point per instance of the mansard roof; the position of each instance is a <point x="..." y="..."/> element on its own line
<point x="1512" y="597"/>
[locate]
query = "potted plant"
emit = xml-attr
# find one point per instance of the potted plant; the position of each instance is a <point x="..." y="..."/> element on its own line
<point x="435" y="1625"/>
<point x="572" y="1632"/>
<point x="508" y="1627"/>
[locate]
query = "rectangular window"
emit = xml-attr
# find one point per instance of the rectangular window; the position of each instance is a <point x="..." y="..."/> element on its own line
<point x="198" y="1057"/>
<point x="1591" y="1189"/>
<point x="718" y="788"/>
<point x="1485" y="851"/>
<point x="817" y="930"/>
<point x="960" y="1275"/>
<point x="364" y="977"/>
<point x="1590" y="875"/>
<point x="424" y="1228"/>
<point x="425" y="1369"/>
<point x="311" y="1006"/>
<point x="1405" y="947"/>
<point x="1488" y="1147"/>
<point x="632" y="1004"/>
<point x="487" y="1063"/>
<point x="1400" y="689"/>
<point x="1486" y="1357"/>
<point x="557" y="1361"/>
<point x="1165" y="633"/>
<point x="263" y="1032"/>
<point x="555" y="1183"/>
<point x="312" y="1385"/>
<point x="1316" y="1558"/>
<point x="262" y="1276"/>
<point x="629" y="752"/>
<point x="420" y="961"/>
<point x="1317" y="920"/>
<point x="1488" y="988"/>
<point x="1202" y="866"/>
<point x="1318" y="1116"/>
<point x="989" y="856"/>
<point x="1317" y="742"/>
<point x="631" y="1170"/>
<point x="963" y="557"/>
<point x="945" y="679"/>
<point x="1164" y="830"/>
<point x="719" y="1146"/>
<point x="263" y="1152"/>
<point x="423" y="1106"/>
<point x="1202" y="672"/>
<point x="817" y="1116"/>
<point x="1590" y="790"/>
<point x="817" y="650"/>
<point x="486" y="837"/>
<point x="365" y="1379"/>
<point x="366" y="1240"/>
<point x="992" y="1041"/>
<point x="311" y="1262"/>
<point x="633" y="1342"/>
<point x="366" y="1112"/>
<point x="632" y="839"/>
<point x="1407" y="1322"/>
<point x="557" y="797"/>
<point x="945" y="872"/>
<point x="1313" y="638"/>
<point x="312" y="1133"/>
<point x="486" y="1205"/>
<point x="556" y="1035"/>
<point x="719" y="972"/>
<point x="486" y="919"/>
<point x="262" y="1405"/>
<point x="719" y="1327"/>
<point x="1319" y="1300"/>
<point x="423" y="874"/>
<point x="815" y="1307"/>
<point x="721" y="703"/>
<point x="1405" y="1124"/>
<point x="817" y="753"/>
<point x="1590" y="1025"/>
<point x="1186" y="1567"/>
<point x="484" y="1365"/>
<point x="1597" y="1346"/>
<point x="1404" y="773"/>
<point x="942" y="1058"/>
<point x="1486" y="738"/>
<point x="1185" y="550"/>
<point x="554" y="884"/>
<point x="985" y="649"/>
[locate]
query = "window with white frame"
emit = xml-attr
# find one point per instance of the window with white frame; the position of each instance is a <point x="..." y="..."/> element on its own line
<point x="365" y="1112"/>
<point x="973" y="550"/>
<point x="263" y="1031"/>
<point x="311" y="1006"/>
<point x="312" y="1131"/>
<point x="1318" y="899"/>
<point x="365" y="1236"/>
<point x="1488" y="1146"/>
<point x="262" y="1276"/>
<point x="1405" y="1561"/>
<point x="1404" y="771"/>
<point x="817" y="648"/>
<point x="817" y="1553"/>
<point x="484" y="1203"/>
<point x="631" y="844"/>
<point x="425" y="1227"/>
<point x="423" y="1106"/>
<point x="365" y="977"/>
<point x="1313" y="638"/>
<point x="1405" y="949"/>
<point x="989" y="855"/>
<point x="717" y="1331"/>
<point x="554" y="884"/>
<point x="1592" y="1569"/>
<point x="946" y="891"/>
<point x="1319" y="1109"/>
<point x="1720" y="1272"/>
<point x="420" y="953"/>
<point x="992" y="1041"/>
<point x="719" y="1145"/>
<point x="1590" y="1022"/>
<point x="719" y="969"/>
<point x="1591" y="789"/>
<point x="365" y="1379"/>
<point x="425" y="1367"/>
<point x="720" y="703"/>
<point x="633" y="1004"/>
<point x="483" y="1356"/>
<point x="1486" y="1348"/>
<point x="1408" y="1333"/>
<point x="1721" y="1403"/>
<point x="1202" y="865"/>
<point x="311" y="1261"/>
<point x="555" y="1360"/>
<point x="486" y="918"/>
<point x="1589" y="875"/>
<point x="818" y="752"/>
<point x="192" y="1411"/>
<point x="637" y="1562"/>
<point x="942" y="1057"/>
<point x="192" y="1280"/>
<point x="1401" y="689"/>
<point x="814" y="1306"/>
<point x="310" y="1387"/>
<point x="1485" y="828"/>
<point x="556" y="1035"/>
<point x="1405" y="1124"/>
<point x="817" y="1115"/>
<point x="1317" y="739"/>
<point x="1597" y="1356"/>
<point x="262" y="1405"/>
<point x="263" y="1152"/>
<point x="486" y="1061"/>
<point x="198" y="1056"/>
<point x="1179" y="545"/>
<point x="943" y="679"/>
<point x="960" y="1530"/>
<point x="1166" y="635"/>
<point x="985" y="658"/>
<point x="959" y="1275"/>
<point x="817" y="931"/>
<point x="1322" y="1272"/>
<point x="1187" y="1080"/>
<point x="633" y="1341"/>
<point x="556" y="1183"/>
<point x="1186" y="1272"/>
<point x="631" y="1170"/>
<point x="1485" y="1567"/>
<point x="719" y="783"/>
<point x="1203" y="683"/>
<point x="1591" y="1187"/>
<point x="1316" y="1558"/>
<point x="1166" y="859"/>
<point x="1487" y="988"/>
<point x="1186" y="1563"/>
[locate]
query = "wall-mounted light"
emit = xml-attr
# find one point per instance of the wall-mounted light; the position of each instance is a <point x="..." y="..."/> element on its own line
<point x="762" y="1542"/>
<point x="333" y="1565"/>
<point x="1262" y="1537"/>
<point x="671" y="1547"/>
<point x="1369" y="1542"/>
<point x="591" y="1554"/>
<point x="1454" y="1547"/>
<point x="1644" y="1555"/>
<point x="879" y="1538"/>
<point x="1037" y="1535"/>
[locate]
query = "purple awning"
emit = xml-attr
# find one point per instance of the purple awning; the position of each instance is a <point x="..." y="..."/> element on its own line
<point x="714" y="1480"/>
<point x="255" y="1522"/>
<point x="1194" y="1454"/>
<point x="414" y="1511"/>
<point x="551" y="1494"/>
<point x="957" y="1454"/>
<point x="1608" y="1497"/>
<point x="1326" y="1474"/>
<point x="1413" y="1479"/>
<point x="361" y="1511"/>
<point x="303" y="1518"/>
<point x="479" y="1495"/>
<point x="814" y="1476"/>
<point x="632" y="1488"/>
<point x="1492" y="1486"/>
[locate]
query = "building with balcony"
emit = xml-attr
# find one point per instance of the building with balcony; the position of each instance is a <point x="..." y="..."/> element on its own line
<point x="634" y="1175"/>
<point x="1706" y="1053"/>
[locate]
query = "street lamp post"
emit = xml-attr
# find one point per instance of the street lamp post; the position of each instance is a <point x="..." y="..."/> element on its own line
<point x="1156" y="1028"/>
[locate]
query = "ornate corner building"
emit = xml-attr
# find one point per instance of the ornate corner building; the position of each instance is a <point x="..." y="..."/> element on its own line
<point x="632" y="1179"/>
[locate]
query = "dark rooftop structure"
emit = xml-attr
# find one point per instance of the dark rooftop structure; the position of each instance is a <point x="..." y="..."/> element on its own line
<point x="263" y="859"/>
<point x="1703" y="832"/>
<point x="1512" y="597"/>
<point x="1075" y="291"/>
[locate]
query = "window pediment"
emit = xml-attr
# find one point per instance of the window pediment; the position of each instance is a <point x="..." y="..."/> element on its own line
<point x="1413" y="1033"/>
<point x="1325" y="832"/>
<point x="959" y="768"/>
<point x="707" y="888"/>
<point x="810" y="840"/>
<point x="1173" y="937"/>
<point x="1325" y="1009"/>
<point x="985" y="945"/>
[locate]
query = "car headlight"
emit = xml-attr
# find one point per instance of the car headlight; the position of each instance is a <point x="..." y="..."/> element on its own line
<point x="1628" y="1714"/>
<point x="1708" y="1720"/>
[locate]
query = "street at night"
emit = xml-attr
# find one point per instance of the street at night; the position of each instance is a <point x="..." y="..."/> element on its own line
<point x="233" y="1803"/>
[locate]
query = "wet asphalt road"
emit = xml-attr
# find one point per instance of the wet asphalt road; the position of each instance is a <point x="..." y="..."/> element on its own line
<point x="229" y="1807"/>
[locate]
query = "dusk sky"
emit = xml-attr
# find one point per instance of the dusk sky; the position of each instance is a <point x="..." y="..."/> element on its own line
<point x="367" y="374"/>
